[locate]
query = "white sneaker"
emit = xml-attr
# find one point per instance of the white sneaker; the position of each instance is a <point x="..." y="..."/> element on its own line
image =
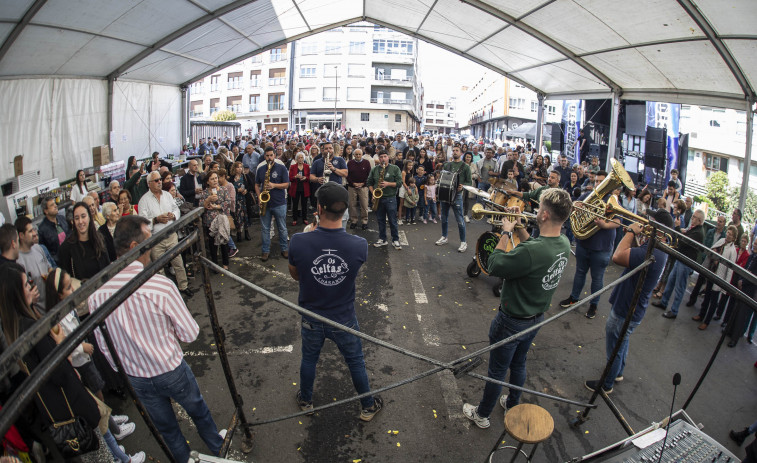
<point x="397" y="245"/>
<point x="503" y="402"/>
<point x="441" y="241"/>
<point x="222" y="433"/>
<point x="467" y="219"/>
<point x="138" y="457"/>
<point x="463" y="247"/>
<point x="471" y="412"/>
<point x="120" y="419"/>
<point x="125" y="430"/>
<point x="379" y="243"/>
<point x="399" y="222"/>
<point x="425" y="221"/>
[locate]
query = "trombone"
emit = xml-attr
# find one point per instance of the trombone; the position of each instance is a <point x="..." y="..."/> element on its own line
<point x="613" y="209"/>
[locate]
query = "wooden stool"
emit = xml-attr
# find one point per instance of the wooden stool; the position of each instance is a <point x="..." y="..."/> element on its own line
<point x="527" y="424"/>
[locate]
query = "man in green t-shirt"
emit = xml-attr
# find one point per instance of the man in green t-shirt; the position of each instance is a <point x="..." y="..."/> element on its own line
<point x="387" y="206"/>
<point x="553" y="181"/>
<point x="464" y="178"/>
<point x="532" y="271"/>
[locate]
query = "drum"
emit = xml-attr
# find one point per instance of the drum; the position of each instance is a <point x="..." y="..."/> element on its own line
<point x="484" y="247"/>
<point x="499" y="197"/>
<point x="448" y="182"/>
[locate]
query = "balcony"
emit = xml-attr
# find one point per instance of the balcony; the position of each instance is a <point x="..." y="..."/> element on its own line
<point x="276" y="106"/>
<point x="389" y="101"/>
<point x="235" y="108"/>
<point x="214" y="110"/>
<point x="275" y="58"/>
<point x="196" y="90"/>
<point x="196" y="114"/>
<point x="380" y="79"/>
<point x="255" y="83"/>
<point x="213" y="87"/>
<point x="274" y="81"/>
<point x="254" y="108"/>
<point x="233" y="85"/>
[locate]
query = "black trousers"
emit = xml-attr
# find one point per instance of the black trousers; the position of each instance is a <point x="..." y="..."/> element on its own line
<point x="213" y="248"/>
<point x="302" y="201"/>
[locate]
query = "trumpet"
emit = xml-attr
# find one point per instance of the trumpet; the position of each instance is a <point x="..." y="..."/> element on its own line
<point x="478" y="212"/>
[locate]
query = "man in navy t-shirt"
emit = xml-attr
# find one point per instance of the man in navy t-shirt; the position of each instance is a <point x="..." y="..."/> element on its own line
<point x="326" y="262"/>
<point x="630" y="257"/>
<point x="278" y="182"/>
<point x="337" y="165"/>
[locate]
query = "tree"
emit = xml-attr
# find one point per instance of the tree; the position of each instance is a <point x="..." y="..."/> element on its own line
<point x="749" y="213"/>
<point x="224" y="115"/>
<point x="717" y="191"/>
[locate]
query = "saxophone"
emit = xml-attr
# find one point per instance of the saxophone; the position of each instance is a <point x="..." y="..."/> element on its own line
<point x="326" y="169"/>
<point x="265" y="195"/>
<point x="378" y="192"/>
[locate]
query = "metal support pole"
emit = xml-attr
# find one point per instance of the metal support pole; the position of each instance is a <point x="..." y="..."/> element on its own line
<point x="220" y="337"/>
<point x="584" y="416"/>
<point x="109" y="115"/>
<point x="747" y="153"/>
<point x="612" y="140"/>
<point x="185" y="95"/>
<point x="539" y="123"/>
<point x="336" y="94"/>
<point x="137" y="403"/>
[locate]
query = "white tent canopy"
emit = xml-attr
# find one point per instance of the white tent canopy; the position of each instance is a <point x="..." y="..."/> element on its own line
<point x="689" y="51"/>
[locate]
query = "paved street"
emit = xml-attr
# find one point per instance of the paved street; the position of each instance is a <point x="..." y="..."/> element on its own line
<point x="421" y="298"/>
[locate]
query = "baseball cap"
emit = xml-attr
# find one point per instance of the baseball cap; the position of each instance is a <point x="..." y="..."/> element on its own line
<point x="330" y="194"/>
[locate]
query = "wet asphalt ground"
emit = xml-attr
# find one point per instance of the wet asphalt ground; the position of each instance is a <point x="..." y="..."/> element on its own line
<point x="421" y="298"/>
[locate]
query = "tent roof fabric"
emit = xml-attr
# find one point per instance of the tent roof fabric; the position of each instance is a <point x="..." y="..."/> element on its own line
<point x="689" y="51"/>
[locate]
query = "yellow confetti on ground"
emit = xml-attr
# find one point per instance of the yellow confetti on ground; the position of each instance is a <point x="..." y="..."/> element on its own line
<point x="254" y="408"/>
<point x="294" y="384"/>
<point x="298" y="448"/>
<point x="464" y="347"/>
<point x="403" y="327"/>
<point x="300" y="422"/>
<point x="433" y="411"/>
<point x="579" y="347"/>
<point x="533" y="343"/>
<point x="405" y="303"/>
<point x="395" y="432"/>
<point x="389" y="431"/>
<point x="357" y="461"/>
<point x="587" y="432"/>
<point x="398" y="444"/>
<point x="334" y="399"/>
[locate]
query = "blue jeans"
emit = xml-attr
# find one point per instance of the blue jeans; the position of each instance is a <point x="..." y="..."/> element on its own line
<point x="280" y="214"/>
<point x="458" y="211"/>
<point x="231" y="242"/>
<point x="430" y="209"/>
<point x="612" y="334"/>
<point x="586" y="260"/>
<point x="114" y="449"/>
<point x="313" y="336"/>
<point x="422" y="205"/>
<point x="181" y="386"/>
<point x="677" y="281"/>
<point x="387" y="207"/>
<point x="482" y="186"/>
<point x="512" y="355"/>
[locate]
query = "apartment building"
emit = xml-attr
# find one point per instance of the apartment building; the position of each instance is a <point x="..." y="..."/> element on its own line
<point x="361" y="77"/>
<point x="496" y="104"/>
<point x="440" y="117"/>
<point x="255" y="89"/>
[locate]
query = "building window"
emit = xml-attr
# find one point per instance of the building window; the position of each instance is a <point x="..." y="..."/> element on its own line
<point x="255" y="78"/>
<point x="277" y="76"/>
<point x="197" y="87"/>
<point x="517" y="103"/>
<point x="357" y="48"/>
<point x="715" y="163"/>
<point x="307" y="94"/>
<point x="714" y="123"/>
<point x="214" y="83"/>
<point x="254" y="103"/>
<point x="278" y="54"/>
<point x="551" y="110"/>
<point x="430" y="105"/>
<point x="307" y="70"/>
<point x="196" y="109"/>
<point x="393" y="47"/>
<point x="365" y="117"/>
<point x="356" y="70"/>
<point x="309" y="48"/>
<point x="534" y="106"/>
<point x="333" y="48"/>
<point x="234" y="103"/>
<point x="329" y="93"/>
<point x="398" y="118"/>
<point x="275" y="101"/>
<point x="429" y="121"/>
<point x="234" y="80"/>
<point x="354" y="93"/>
<point x="215" y="105"/>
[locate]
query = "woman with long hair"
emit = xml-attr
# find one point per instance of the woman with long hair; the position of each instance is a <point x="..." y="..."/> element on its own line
<point x="407" y="173"/>
<point x="299" y="188"/>
<point x="347" y="153"/>
<point x="239" y="180"/>
<point x="63" y="387"/>
<point x="79" y="188"/>
<point x="539" y="170"/>
<point x="216" y="201"/>
<point x="644" y="204"/>
<point x="423" y="160"/>
<point x="83" y="252"/>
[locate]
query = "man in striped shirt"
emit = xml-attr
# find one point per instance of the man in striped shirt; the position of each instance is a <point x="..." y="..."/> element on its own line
<point x="146" y="330"/>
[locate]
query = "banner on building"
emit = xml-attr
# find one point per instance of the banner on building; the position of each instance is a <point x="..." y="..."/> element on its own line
<point x="666" y="115"/>
<point x="571" y="120"/>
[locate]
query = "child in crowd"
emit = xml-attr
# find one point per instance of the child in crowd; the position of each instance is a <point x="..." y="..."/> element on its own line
<point x="431" y="199"/>
<point x="420" y="181"/>
<point x="674" y="178"/>
<point x="510" y="182"/>
<point x="411" y="200"/>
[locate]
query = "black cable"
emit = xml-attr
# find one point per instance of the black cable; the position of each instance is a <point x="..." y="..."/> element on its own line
<point x="676" y="382"/>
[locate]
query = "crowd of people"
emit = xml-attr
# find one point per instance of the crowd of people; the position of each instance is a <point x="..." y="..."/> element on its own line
<point x="333" y="180"/>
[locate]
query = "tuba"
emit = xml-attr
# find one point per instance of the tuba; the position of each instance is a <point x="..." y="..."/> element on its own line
<point x="582" y="219"/>
<point x="265" y="195"/>
<point x="378" y="192"/>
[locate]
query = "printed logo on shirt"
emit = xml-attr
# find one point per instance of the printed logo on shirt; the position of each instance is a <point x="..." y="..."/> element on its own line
<point x="274" y="174"/>
<point x="552" y="278"/>
<point x="329" y="269"/>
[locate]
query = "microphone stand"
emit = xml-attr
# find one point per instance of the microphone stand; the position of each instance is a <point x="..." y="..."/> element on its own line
<point x="676" y="382"/>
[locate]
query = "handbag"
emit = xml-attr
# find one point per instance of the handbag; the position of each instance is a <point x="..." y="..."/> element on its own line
<point x="74" y="437"/>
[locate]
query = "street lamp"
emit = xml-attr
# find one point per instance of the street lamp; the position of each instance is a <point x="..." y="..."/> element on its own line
<point x="336" y="92"/>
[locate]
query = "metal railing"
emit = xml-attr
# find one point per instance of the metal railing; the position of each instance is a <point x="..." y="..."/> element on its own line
<point x="390" y="101"/>
<point x="273" y="81"/>
<point x="276" y="106"/>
